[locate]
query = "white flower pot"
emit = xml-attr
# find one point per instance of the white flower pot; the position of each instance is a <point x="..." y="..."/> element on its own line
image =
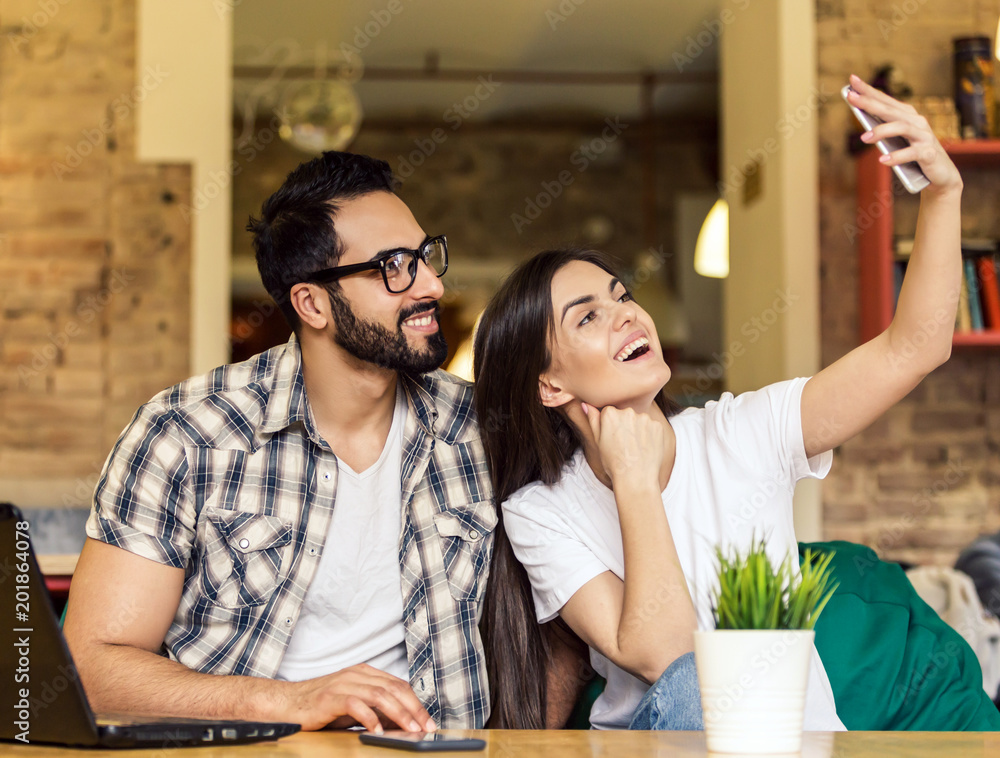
<point x="753" y="688"/>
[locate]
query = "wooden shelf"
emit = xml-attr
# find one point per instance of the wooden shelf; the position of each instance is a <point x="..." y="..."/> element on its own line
<point x="875" y="199"/>
<point x="983" y="151"/>
<point x="985" y="338"/>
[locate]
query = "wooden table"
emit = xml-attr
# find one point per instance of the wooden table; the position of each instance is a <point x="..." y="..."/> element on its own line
<point x="564" y="744"/>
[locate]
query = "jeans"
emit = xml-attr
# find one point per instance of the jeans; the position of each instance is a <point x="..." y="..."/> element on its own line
<point x="673" y="702"/>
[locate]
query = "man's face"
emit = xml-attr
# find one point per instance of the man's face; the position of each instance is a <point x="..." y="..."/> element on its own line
<point x="394" y="331"/>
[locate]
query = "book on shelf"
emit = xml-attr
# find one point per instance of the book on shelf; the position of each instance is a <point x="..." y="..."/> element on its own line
<point x="975" y="301"/>
<point x="963" y="319"/>
<point x="989" y="291"/>
<point x="902" y="247"/>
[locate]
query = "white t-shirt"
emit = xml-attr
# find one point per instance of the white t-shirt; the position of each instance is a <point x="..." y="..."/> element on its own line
<point x="734" y="474"/>
<point x="353" y="609"/>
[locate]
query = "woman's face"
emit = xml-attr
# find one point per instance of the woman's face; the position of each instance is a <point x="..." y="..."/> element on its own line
<point x="605" y="350"/>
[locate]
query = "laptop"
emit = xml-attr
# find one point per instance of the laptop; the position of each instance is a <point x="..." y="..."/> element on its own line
<point x="40" y="686"/>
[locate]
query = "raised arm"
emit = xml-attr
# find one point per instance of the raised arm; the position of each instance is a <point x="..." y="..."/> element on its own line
<point x="850" y="394"/>
<point x="120" y="608"/>
<point x="646" y="622"/>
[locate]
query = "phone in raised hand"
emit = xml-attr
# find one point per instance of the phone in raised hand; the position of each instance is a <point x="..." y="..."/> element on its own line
<point x="909" y="174"/>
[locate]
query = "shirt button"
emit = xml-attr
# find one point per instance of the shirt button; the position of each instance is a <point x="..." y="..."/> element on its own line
<point x="473" y="534"/>
<point x="326" y="476"/>
<point x="244" y="543"/>
<point x="312" y="551"/>
<point x="288" y="621"/>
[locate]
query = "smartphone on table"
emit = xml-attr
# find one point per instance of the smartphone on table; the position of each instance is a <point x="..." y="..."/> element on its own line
<point x="909" y="174"/>
<point x="422" y="742"/>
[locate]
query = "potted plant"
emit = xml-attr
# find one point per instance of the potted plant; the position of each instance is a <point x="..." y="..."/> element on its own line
<point x="753" y="668"/>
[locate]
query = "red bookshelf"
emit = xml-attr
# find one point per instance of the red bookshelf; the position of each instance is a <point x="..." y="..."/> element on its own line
<point x="875" y="230"/>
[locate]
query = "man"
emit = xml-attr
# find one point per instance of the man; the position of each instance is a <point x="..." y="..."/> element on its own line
<point x="304" y="536"/>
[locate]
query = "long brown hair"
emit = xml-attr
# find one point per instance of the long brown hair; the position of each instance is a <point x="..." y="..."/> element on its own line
<point x="524" y="442"/>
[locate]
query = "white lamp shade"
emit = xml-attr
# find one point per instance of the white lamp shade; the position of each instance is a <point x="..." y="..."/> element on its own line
<point x="711" y="251"/>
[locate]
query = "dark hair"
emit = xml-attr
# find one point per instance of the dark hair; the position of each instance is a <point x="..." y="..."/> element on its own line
<point x="295" y="235"/>
<point x="524" y="442"/>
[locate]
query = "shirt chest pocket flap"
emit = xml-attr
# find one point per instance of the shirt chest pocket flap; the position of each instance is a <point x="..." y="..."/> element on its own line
<point x="242" y="557"/>
<point x="464" y="537"/>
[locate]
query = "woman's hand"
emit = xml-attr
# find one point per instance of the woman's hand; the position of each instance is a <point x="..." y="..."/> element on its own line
<point x="902" y="120"/>
<point x="848" y="395"/>
<point x="630" y="444"/>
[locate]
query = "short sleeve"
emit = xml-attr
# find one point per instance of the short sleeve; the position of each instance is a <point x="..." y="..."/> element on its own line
<point x="757" y="425"/>
<point x="142" y="503"/>
<point x="557" y="562"/>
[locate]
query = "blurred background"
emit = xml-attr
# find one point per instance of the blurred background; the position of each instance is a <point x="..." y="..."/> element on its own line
<point x="137" y="136"/>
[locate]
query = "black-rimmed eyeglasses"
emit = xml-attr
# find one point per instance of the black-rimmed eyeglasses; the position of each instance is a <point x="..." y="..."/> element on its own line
<point x="398" y="267"/>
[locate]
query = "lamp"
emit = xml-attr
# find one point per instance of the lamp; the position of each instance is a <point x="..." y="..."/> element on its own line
<point x="461" y="364"/>
<point x="711" y="251"/>
<point x="323" y="114"/>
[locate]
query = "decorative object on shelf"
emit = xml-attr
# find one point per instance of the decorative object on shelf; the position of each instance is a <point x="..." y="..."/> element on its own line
<point x="974" y="97"/>
<point x="322" y="114"/>
<point x="889" y="79"/>
<point x="711" y="251"/>
<point x="941" y="115"/>
<point x="754" y="667"/>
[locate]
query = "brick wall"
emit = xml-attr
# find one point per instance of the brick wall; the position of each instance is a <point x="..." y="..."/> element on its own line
<point x="924" y="480"/>
<point x="94" y="250"/>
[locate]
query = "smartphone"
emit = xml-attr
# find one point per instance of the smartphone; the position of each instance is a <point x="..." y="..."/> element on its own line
<point x="909" y="174"/>
<point x="422" y="742"/>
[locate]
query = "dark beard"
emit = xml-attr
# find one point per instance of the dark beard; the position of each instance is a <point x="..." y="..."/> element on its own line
<point x="373" y="343"/>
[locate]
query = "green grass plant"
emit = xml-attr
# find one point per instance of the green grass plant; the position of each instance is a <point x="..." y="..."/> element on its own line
<point x="752" y="594"/>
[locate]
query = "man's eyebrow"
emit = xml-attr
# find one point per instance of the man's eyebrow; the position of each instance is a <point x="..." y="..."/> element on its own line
<point x="388" y="250"/>
<point x="587" y="298"/>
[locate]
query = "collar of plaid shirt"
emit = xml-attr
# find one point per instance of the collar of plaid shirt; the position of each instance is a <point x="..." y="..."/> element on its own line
<point x="256" y="489"/>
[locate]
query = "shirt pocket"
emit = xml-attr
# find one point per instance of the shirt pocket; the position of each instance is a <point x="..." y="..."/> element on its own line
<point x="242" y="557"/>
<point x="465" y="546"/>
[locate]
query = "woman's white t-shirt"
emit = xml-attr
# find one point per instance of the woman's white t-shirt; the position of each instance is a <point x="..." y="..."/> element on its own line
<point x="734" y="475"/>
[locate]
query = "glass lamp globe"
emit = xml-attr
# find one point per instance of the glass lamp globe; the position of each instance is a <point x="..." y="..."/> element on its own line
<point x="320" y="115"/>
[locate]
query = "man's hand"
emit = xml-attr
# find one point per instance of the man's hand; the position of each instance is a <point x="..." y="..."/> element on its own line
<point x="356" y="695"/>
<point x="120" y="608"/>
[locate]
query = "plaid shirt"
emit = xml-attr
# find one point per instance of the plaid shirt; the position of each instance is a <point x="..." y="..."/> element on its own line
<point x="225" y="476"/>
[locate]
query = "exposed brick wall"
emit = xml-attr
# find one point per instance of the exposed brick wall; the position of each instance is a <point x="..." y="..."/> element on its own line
<point x="924" y="480"/>
<point x="94" y="251"/>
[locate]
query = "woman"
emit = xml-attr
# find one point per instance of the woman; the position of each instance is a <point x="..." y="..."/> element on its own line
<point x="602" y="479"/>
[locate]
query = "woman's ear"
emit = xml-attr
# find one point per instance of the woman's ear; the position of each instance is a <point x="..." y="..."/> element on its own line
<point x="551" y="393"/>
<point x="308" y="304"/>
